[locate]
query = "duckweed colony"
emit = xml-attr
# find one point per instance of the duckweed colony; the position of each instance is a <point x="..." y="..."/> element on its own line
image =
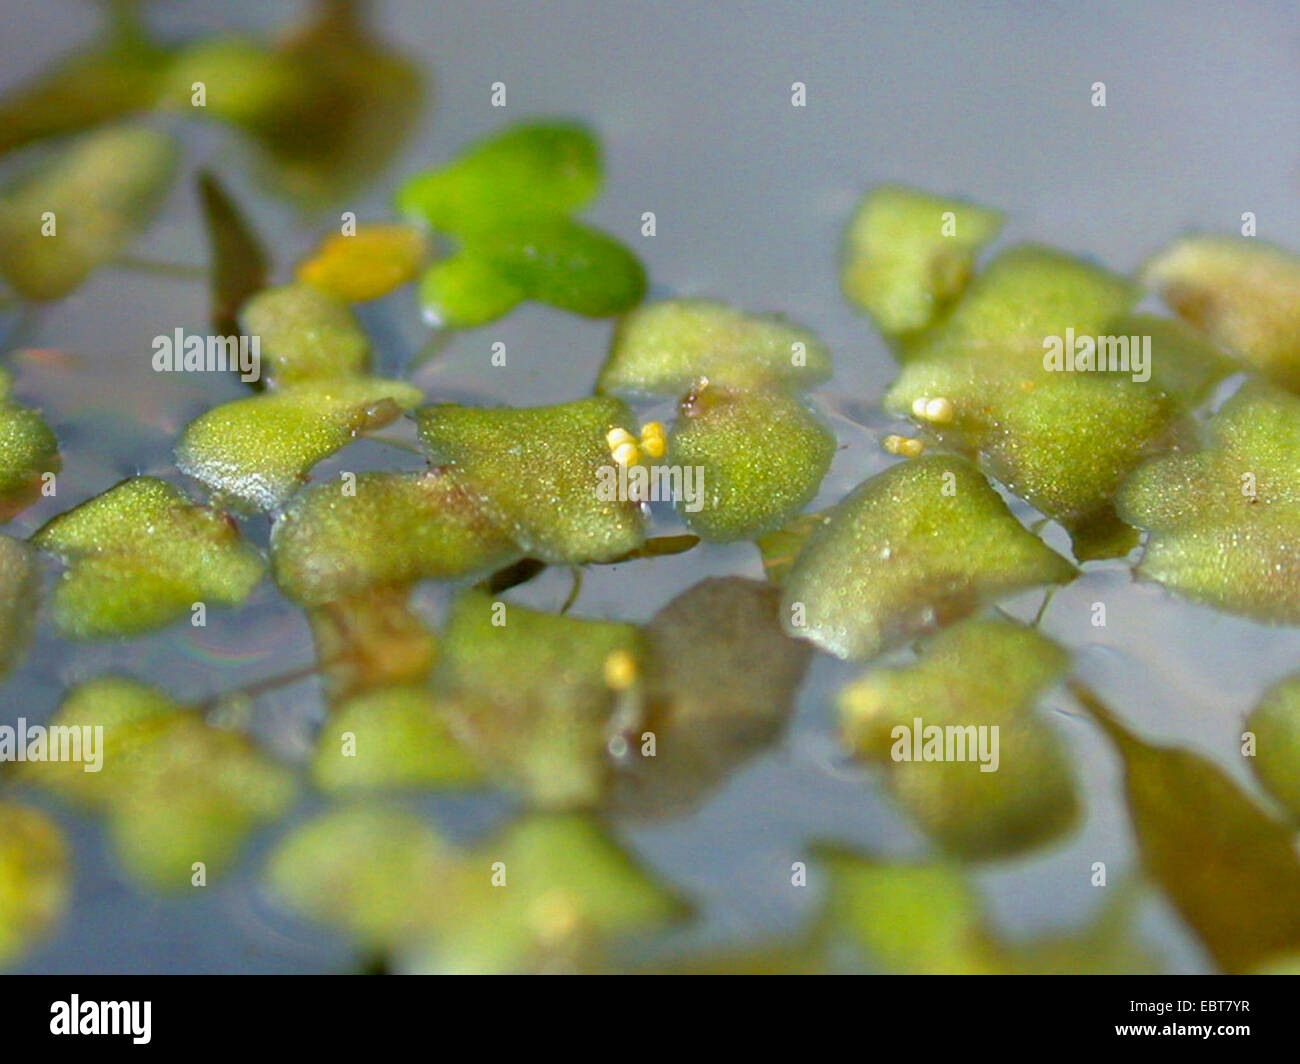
<point x="704" y="426"/>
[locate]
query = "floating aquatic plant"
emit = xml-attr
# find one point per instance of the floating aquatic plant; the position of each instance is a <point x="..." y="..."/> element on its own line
<point x="28" y="449"/>
<point x="335" y="539"/>
<point x="536" y="473"/>
<point x="508" y="201"/>
<point x="758" y="457"/>
<point x="306" y="334"/>
<point x="34" y="877"/>
<point x="1241" y="292"/>
<point x="908" y="254"/>
<point x="965" y="750"/>
<point x="80" y="207"/>
<point x="667" y="348"/>
<point x="917" y="546"/>
<point x="1222" y="518"/>
<point x="634" y="719"/>
<point x="1060" y="437"/>
<point x="176" y="790"/>
<point x="548" y="893"/>
<point x="258" y="451"/>
<point x="530" y="694"/>
<point x="141" y="555"/>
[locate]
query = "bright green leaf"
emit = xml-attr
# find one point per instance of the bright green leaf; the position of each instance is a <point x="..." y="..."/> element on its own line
<point x="508" y="201"/>
<point x="532" y="170"/>
<point x="464" y="292"/>
<point x="553" y="261"/>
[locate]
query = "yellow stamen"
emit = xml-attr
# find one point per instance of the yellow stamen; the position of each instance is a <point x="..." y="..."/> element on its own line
<point x="618" y="436"/>
<point x="627" y="454"/>
<point x="939" y="410"/>
<point x="907" y="446"/>
<point x="620" y="670"/>
<point x="654" y="444"/>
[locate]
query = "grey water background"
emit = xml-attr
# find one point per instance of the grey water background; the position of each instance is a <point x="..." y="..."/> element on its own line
<point x="988" y="101"/>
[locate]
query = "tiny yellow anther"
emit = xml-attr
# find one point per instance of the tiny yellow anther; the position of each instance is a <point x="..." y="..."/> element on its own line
<point x="627" y="454"/>
<point x="907" y="446"/>
<point x="654" y="444"/>
<point x="620" y="670"/>
<point x="617" y="436"/>
<point x="918" y="407"/>
<point x="939" y="410"/>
